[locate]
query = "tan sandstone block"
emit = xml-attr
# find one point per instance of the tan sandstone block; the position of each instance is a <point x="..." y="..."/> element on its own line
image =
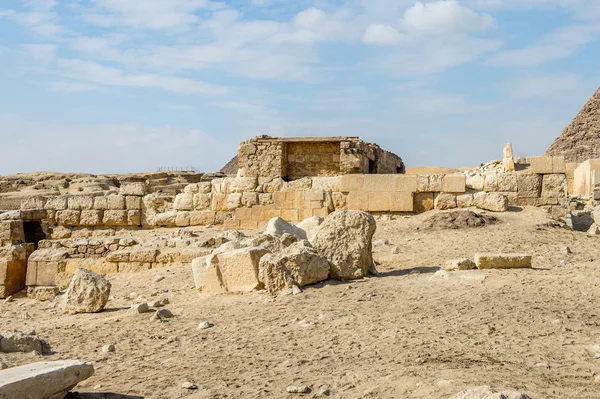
<point x="33" y="203"/>
<point x="182" y="219"/>
<point x="540" y="165"/>
<point x="401" y="202"/>
<point x="231" y="224"/>
<point x="271" y="213"/>
<point x="12" y="276"/>
<point x="134" y="218"/>
<point x="507" y="182"/>
<point x="350" y="183"/>
<point x="115" y="218"/>
<point x="290" y="215"/>
<point x="379" y="202"/>
<point x="559" y="164"/>
<point x="81" y="202"/>
<point x="133" y="203"/>
<point x="68" y="218"/>
<point x="529" y="185"/>
<point x="314" y="195"/>
<point x="134" y="267"/>
<point x="243" y="213"/>
<point x="321" y="212"/>
<point x="358" y="200"/>
<point x="91" y="218"/>
<point x="502" y="261"/>
<point x="257" y="213"/>
<point x="422" y="183"/>
<point x="404" y="183"/>
<point x="56" y="203"/>
<point x="554" y="186"/>
<point x="202" y="218"/>
<point x="378" y="183"/>
<point x="202" y="201"/>
<point x="115" y="202"/>
<point x="249" y="224"/>
<point x="456" y="183"/>
<point x="279" y="197"/>
<point x="424" y="202"/>
<point x="219" y="202"/>
<point x="100" y="203"/>
<point x="133" y="188"/>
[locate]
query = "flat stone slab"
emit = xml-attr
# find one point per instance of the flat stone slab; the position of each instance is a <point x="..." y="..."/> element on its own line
<point x="502" y="261"/>
<point x="43" y="380"/>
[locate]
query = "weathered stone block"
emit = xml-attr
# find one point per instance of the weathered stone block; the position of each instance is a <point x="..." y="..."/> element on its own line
<point x="460" y="264"/>
<point x="143" y="255"/>
<point x="465" y="200"/>
<point x="33" y="203"/>
<point x="554" y="186"/>
<point x="491" y="181"/>
<point x="133" y="188"/>
<point x="202" y="218"/>
<point x="182" y="219"/>
<point x="358" y="200"/>
<point x="184" y="202"/>
<point x="423" y="183"/>
<point x="540" y="165"/>
<point x="456" y="183"/>
<point x="219" y="202"/>
<point x="404" y="183"/>
<point x="502" y="261"/>
<point x="133" y="203"/>
<point x="495" y="202"/>
<point x="559" y="164"/>
<point x="100" y="203"/>
<point x="476" y="182"/>
<point x="234" y="201"/>
<point x="81" y="202"/>
<point x="436" y="183"/>
<point x="350" y="183"/>
<point x="424" y="202"/>
<point x="314" y="195"/>
<point x="402" y="202"/>
<point x="166" y="219"/>
<point x="68" y="218"/>
<point x="378" y="183"/>
<point x="56" y="203"/>
<point x="115" y="218"/>
<point x="134" y="267"/>
<point x="12" y="276"/>
<point x="186" y="255"/>
<point x="91" y="218"/>
<point x="243" y="213"/>
<point x="115" y="202"/>
<point x="202" y="201"/>
<point x="322" y="183"/>
<point x="507" y="182"/>
<point x="379" y="201"/>
<point x="529" y="185"/>
<point x="445" y="201"/>
<point x="249" y="199"/>
<point x="134" y="218"/>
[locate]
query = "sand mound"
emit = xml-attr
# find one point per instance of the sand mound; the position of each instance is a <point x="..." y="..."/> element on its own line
<point x="457" y="220"/>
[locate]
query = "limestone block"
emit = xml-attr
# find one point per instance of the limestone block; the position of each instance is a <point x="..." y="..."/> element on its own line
<point x="455" y="183"/>
<point x="12" y="276"/>
<point x="378" y="183"/>
<point x="202" y="201"/>
<point x="277" y="227"/>
<point x="81" y="202"/>
<point x="424" y="202"/>
<point x="143" y="255"/>
<point x="242" y="184"/>
<point x="12" y="341"/>
<point x="314" y="195"/>
<point x="100" y="203"/>
<point x="529" y="185"/>
<point x="68" y="218"/>
<point x="460" y="264"/>
<point x="134" y="218"/>
<point x="554" y="186"/>
<point x="422" y="183"/>
<point x="324" y="183"/>
<point x="495" y="202"/>
<point x="351" y="183"/>
<point x="33" y="203"/>
<point x="133" y="203"/>
<point x="43" y="380"/>
<point x="42" y="293"/>
<point x="508" y="162"/>
<point x="88" y="292"/>
<point x="11" y="231"/>
<point x="491" y="181"/>
<point x="187" y="255"/>
<point x="358" y="200"/>
<point x="234" y="201"/>
<point x="118" y="256"/>
<point x="402" y="202"/>
<point x="476" y="182"/>
<point x="91" y="218"/>
<point x="133" y="188"/>
<point x="345" y="239"/>
<point x="445" y="201"/>
<point x="540" y="165"/>
<point x="243" y="213"/>
<point x="339" y="200"/>
<point x="507" y="182"/>
<point x="115" y="218"/>
<point x="249" y="199"/>
<point x="184" y="202"/>
<point x="56" y="203"/>
<point x="404" y="183"/>
<point x="465" y="200"/>
<point x="378" y="201"/>
<point x="231" y="271"/>
<point x="115" y="202"/>
<point x="231" y="224"/>
<point x="202" y="218"/>
<point x="219" y="202"/>
<point x="502" y="261"/>
<point x="166" y="219"/>
<point x="559" y="164"/>
<point x="265" y="199"/>
<point x="134" y="267"/>
<point x="436" y="183"/>
<point x="182" y="219"/>
<point x="291" y="215"/>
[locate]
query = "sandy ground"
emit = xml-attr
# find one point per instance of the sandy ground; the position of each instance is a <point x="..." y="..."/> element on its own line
<point x="406" y="333"/>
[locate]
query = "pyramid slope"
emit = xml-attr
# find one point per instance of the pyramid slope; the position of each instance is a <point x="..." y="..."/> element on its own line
<point x="580" y="140"/>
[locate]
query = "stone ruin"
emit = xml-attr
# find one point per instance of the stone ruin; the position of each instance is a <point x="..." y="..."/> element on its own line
<point x="57" y="230"/>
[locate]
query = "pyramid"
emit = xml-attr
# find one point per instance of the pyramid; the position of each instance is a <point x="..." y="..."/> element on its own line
<point x="580" y="140"/>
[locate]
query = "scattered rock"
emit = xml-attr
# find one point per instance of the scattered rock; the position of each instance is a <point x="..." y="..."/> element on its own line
<point x="9" y="299"/>
<point x="43" y="293"/>
<point x="594" y="229"/>
<point x="311" y="226"/>
<point x="204" y="325"/>
<point x="459" y="264"/>
<point x="162" y="315"/>
<point x="296" y="290"/>
<point x="108" y="348"/>
<point x="88" y="292"/>
<point x="345" y="239"/>
<point x="453" y="220"/>
<point x="277" y="227"/>
<point x="324" y="392"/>
<point x="189" y="385"/>
<point x="396" y="250"/>
<point x="565" y="250"/>
<point x="43" y="380"/>
<point x="140" y="308"/>
<point x="18" y="341"/>
<point x="502" y="261"/>
<point x="298" y="389"/>
<point x="158" y="278"/>
<point x="495" y="202"/>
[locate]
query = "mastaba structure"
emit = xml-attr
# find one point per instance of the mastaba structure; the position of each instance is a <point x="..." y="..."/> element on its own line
<point x="580" y="140"/>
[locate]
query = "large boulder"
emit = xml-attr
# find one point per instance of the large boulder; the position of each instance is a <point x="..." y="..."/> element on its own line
<point x="231" y="271"/>
<point x="311" y="226"/>
<point x="299" y="264"/>
<point x="43" y="380"/>
<point x="277" y="227"/>
<point x="17" y="341"/>
<point x="495" y="202"/>
<point x="88" y="292"/>
<point x="345" y="239"/>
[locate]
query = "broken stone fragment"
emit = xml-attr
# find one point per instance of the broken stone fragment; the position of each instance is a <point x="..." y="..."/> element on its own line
<point x="88" y="292"/>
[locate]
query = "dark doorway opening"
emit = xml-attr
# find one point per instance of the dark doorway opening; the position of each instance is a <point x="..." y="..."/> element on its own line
<point x="33" y="232"/>
<point x="372" y="168"/>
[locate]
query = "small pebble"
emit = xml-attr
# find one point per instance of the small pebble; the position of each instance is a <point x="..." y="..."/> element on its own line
<point x="162" y="315"/>
<point x="189" y="385"/>
<point x="158" y="278"/>
<point x="204" y="325"/>
<point x="9" y="299"/>
<point x="140" y="308"/>
<point x="298" y="389"/>
<point x="108" y="348"/>
<point x="296" y="290"/>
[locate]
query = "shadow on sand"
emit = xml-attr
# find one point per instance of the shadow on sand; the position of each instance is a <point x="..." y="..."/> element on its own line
<point x="405" y="272"/>
<point x="99" y="395"/>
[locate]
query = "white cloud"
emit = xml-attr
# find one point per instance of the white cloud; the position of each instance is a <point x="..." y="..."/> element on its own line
<point x="40" y="52"/>
<point x="445" y="16"/>
<point x="71" y="87"/>
<point x="381" y="34"/>
<point x="561" y="43"/>
<point x="543" y="85"/>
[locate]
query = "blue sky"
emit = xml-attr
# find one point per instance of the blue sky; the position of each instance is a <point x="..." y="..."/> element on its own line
<point x="105" y="86"/>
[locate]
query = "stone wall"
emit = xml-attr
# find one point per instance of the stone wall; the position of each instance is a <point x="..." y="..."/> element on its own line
<point x="312" y="159"/>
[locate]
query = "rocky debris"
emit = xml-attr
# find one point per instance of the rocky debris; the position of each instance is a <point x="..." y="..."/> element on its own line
<point x="158" y="278"/>
<point x="232" y="271"/>
<point x="277" y="227"/>
<point x="460" y="264"/>
<point x="271" y="243"/>
<point x="18" y="341"/>
<point x="43" y="293"/>
<point x="485" y="392"/>
<point x="311" y="226"/>
<point x="204" y="325"/>
<point x="162" y="315"/>
<point x="43" y="380"/>
<point x="298" y="389"/>
<point x="298" y="265"/>
<point x="565" y="250"/>
<point x="140" y="308"/>
<point x="579" y="141"/>
<point x="189" y="385"/>
<point x="495" y="202"/>
<point x="108" y="348"/>
<point x="157" y="303"/>
<point x="88" y="292"/>
<point x="3" y="366"/>
<point x="345" y="239"/>
<point x="457" y="220"/>
<point x="594" y="229"/>
<point x="502" y="261"/>
<point x="508" y="162"/>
